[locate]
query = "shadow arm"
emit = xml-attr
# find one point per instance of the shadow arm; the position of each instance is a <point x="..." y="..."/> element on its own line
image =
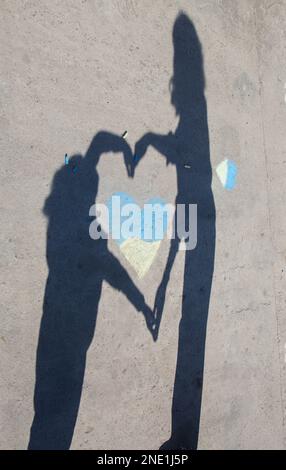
<point x="117" y="276"/>
<point x="162" y="289"/>
<point x="105" y="142"/>
<point x="162" y="143"/>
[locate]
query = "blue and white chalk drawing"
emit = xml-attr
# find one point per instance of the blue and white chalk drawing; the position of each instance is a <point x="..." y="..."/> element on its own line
<point x="139" y="251"/>
<point x="227" y="172"/>
<point x="149" y="225"/>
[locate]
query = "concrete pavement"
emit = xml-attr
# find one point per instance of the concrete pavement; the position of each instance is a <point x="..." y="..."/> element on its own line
<point x="70" y="69"/>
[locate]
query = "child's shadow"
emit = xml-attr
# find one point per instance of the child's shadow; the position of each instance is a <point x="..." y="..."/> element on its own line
<point x="188" y="149"/>
<point x="78" y="265"/>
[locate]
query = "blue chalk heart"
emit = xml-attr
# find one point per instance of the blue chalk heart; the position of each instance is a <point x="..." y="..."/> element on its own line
<point x="156" y="226"/>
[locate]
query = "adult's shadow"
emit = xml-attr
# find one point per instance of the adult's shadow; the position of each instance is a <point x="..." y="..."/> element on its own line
<point x="77" y="265"/>
<point x="188" y="149"/>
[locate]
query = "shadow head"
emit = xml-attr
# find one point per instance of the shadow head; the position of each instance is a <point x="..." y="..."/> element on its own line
<point x="188" y="82"/>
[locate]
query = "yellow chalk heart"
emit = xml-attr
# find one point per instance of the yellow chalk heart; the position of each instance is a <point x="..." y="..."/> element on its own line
<point x="140" y="254"/>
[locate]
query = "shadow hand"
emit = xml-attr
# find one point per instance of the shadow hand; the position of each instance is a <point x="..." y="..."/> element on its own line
<point x="159" y="307"/>
<point x="128" y="158"/>
<point x="140" y="149"/>
<point x="150" y="320"/>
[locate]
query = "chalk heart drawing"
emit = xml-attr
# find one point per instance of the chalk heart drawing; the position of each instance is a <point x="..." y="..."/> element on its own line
<point x="139" y="252"/>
